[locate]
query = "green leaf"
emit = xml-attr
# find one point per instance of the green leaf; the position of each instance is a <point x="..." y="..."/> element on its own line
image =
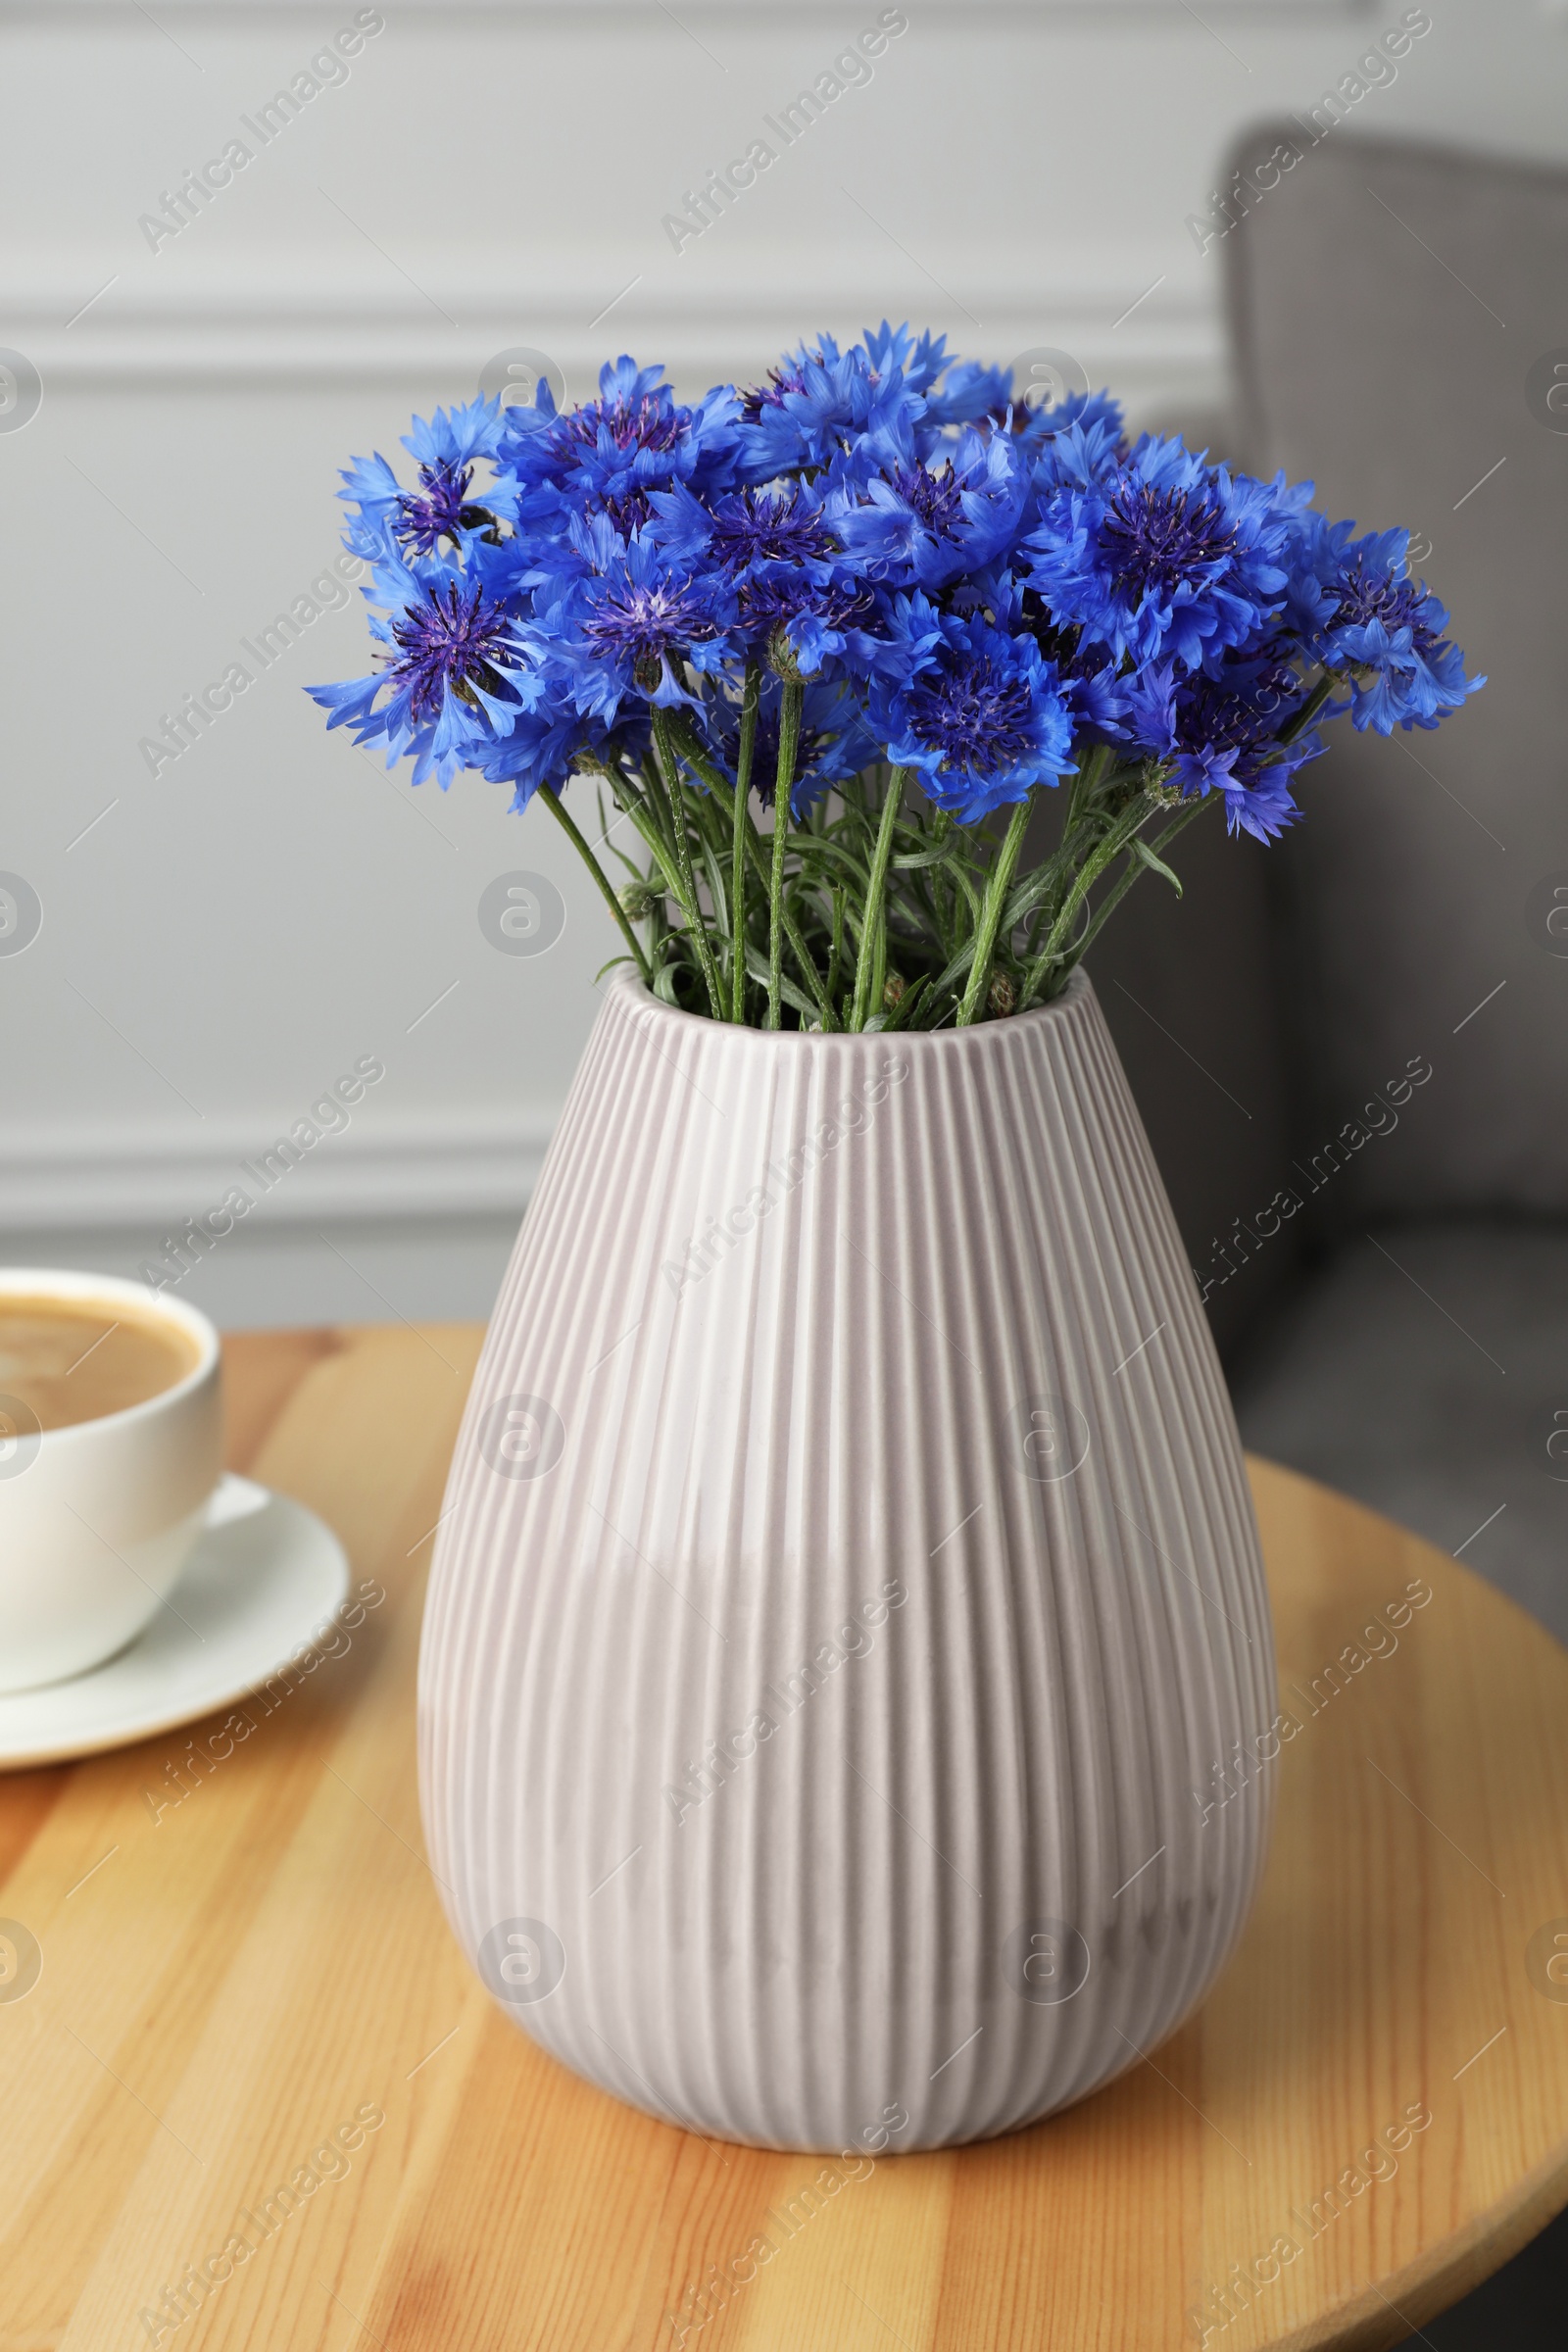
<point x="811" y="849"/>
<point x="1025" y="897"/>
<point x="903" y="1012"/>
<point x="717" y="924"/>
<point x="757" y="965"/>
<point x="1157" y="866"/>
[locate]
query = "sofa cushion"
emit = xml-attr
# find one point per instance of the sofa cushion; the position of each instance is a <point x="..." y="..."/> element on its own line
<point x="1389" y="305"/>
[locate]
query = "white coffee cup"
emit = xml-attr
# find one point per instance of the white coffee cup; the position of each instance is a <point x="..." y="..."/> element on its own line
<point x="98" y="1519"/>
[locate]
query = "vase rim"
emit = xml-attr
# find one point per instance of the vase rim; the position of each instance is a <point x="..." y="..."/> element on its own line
<point x="1078" y="988"/>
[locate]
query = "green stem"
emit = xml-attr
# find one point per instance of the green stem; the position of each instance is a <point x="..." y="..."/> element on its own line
<point x="753" y="842"/>
<point x="557" y="809"/>
<point x="996" y="897"/>
<point x="642" y="814"/>
<point x="835" y="961"/>
<point x="751" y="697"/>
<point x="788" y="736"/>
<point x="745" y="828"/>
<point x="1116" y="840"/>
<point x="802" y="952"/>
<point x="669" y="759"/>
<point x="1088" y="779"/>
<point x="1080" y="796"/>
<point x="1124" y="882"/>
<point x="871" y="974"/>
<point x="654" y="821"/>
<point x="1308" y="710"/>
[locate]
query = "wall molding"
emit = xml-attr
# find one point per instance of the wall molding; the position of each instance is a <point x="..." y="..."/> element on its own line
<point x="101" y="1177"/>
<point x="342" y="330"/>
<point x="210" y="318"/>
<point x="773" y="14"/>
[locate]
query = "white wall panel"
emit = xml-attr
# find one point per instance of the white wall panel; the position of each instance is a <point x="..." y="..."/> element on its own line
<point x="219" y="940"/>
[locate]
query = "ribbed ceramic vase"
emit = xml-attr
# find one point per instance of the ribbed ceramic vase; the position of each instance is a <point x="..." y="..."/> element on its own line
<point x="848" y="1589"/>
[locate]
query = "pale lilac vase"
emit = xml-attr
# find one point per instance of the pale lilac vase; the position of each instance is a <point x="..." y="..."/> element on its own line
<point x="849" y="1587"/>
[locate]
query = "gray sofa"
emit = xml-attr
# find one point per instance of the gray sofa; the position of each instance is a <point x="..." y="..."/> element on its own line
<point x="1404" y="1335"/>
<point x="1396" y="316"/>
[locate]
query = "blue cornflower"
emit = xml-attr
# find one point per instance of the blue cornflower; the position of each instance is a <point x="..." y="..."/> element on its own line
<point x="969" y="393"/>
<point x="797" y="599"/>
<point x="740" y="532"/>
<point x="803" y="624"/>
<point x="444" y="449"/>
<point x="982" y="717"/>
<point x="824" y="406"/>
<point x="903" y="392"/>
<point x="1169" y="557"/>
<point x="454" y="437"/>
<point x="627" y="628"/>
<point x="454" y="680"/>
<point x="1220" y="733"/>
<point x="913" y="527"/>
<point x="612" y="454"/>
<point x="1081" y="442"/>
<point x="890" y="350"/>
<point x="776" y="526"/>
<point x="1088" y="678"/>
<point x="1359" y="613"/>
<point x="444" y="511"/>
<point x="546" y="749"/>
<point x="643" y="622"/>
<point x="453" y="642"/>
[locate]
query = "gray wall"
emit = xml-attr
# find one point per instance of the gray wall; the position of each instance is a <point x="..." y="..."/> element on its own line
<point x="220" y="940"/>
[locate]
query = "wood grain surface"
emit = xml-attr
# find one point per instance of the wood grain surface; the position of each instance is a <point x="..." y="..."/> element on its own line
<point x="253" y="1974"/>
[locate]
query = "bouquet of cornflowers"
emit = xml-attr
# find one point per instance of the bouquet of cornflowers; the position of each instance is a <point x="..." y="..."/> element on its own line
<point x="887" y="608"/>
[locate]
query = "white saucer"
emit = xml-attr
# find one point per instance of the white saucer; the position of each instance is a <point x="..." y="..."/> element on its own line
<point x="264" y="1577"/>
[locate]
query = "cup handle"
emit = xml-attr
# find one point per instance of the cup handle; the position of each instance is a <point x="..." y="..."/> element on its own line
<point x="236" y="1497"/>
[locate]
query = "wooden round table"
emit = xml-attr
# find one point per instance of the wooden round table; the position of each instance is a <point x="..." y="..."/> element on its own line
<point x="1368" y="2116"/>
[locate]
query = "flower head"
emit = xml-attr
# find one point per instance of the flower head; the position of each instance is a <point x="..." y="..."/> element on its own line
<point x="943" y="576"/>
<point x="454" y="679"/>
<point x="444" y="511"/>
<point x="444" y="449"/>
<point x="1359" y="613"/>
<point x="546" y="749"/>
<point x="968" y="393"/>
<point x="801" y="625"/>
<point x="822" y="405"/>
<point x="627" y="626"/>
<point x="918" y="527"/>
<point x="454" y="437"/>
<point x="1162" y="555"/>
<point x="743" y="532"/>
<point x="608" y="456"/>
<point x="646" y="620"/>
<point x="452" y="642"/>
<point x="1220" y="732"/>
<point x="797" y="599"/>
<point x="1079" y="441"/>
<point x="981" y="716"/>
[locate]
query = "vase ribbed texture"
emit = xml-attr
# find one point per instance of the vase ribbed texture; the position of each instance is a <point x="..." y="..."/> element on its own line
<point x="928" y="1467"/>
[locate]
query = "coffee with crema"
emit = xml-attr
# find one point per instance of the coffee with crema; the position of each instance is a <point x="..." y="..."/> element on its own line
<point x="76" y="1359"/>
